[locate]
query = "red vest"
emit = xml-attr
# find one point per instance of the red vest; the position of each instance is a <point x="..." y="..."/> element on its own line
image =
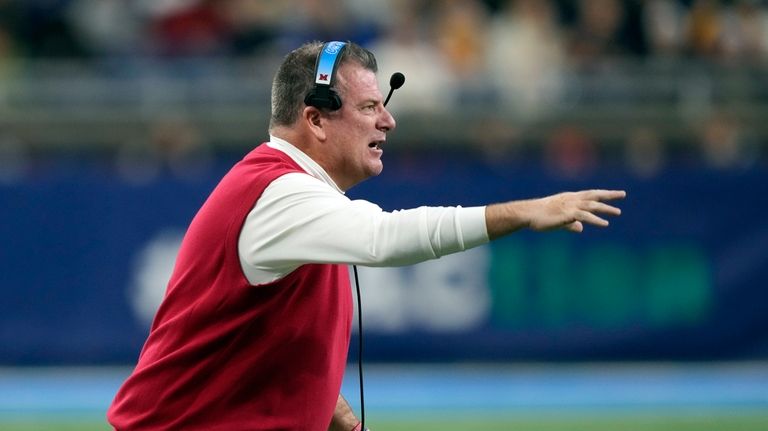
<point x="225" y="355"/>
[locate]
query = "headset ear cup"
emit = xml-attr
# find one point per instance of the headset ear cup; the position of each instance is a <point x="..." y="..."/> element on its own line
<point x="330" y="100"/>
<point x="335" y="101"/>
<point x="310" y="100"/>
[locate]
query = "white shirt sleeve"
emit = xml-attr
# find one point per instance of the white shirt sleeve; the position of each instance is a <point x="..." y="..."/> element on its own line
<point x="300" y="219"/>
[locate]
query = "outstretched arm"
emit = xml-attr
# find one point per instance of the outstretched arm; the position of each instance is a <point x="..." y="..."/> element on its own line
<point x="344" y="418"/>
<point x="564" y="210"/>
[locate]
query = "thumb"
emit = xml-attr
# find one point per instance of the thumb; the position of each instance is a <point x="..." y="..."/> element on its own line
<point x="575" y="227"/>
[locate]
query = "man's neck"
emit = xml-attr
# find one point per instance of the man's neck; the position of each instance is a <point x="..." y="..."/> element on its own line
<point x="311" y="165"/>
<point x="304" y="143"/>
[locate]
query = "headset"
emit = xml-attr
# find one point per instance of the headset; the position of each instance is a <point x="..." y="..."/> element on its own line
<point x="322" y="95"/>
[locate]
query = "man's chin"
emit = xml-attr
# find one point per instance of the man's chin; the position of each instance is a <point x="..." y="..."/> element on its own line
<point x="376" y="171"/>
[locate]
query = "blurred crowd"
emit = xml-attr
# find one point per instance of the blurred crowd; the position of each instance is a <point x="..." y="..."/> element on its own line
<point x="465" y="33"/>
<point x="516" y="54"/>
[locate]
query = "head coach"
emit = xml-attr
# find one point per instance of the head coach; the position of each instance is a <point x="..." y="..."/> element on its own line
<point x="254" y="328"/>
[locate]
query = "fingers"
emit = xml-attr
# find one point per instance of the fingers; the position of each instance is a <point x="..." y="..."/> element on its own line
<point x="599" y="207"/>
<point x="591" y="205"/>
<point x="588" y="217"/>
<point x="604" y="195"/>
<point x="572" y="210"/>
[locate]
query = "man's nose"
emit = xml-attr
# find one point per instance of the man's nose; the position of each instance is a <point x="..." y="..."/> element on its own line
<point x="387" y="121"/>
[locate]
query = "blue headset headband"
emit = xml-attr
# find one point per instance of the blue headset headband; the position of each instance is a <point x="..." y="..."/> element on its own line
<point x="322" y="96"/>
<point x="328" y="61"/>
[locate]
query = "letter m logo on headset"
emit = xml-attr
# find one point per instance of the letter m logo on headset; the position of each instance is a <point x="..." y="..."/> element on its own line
<point x="322" y="96"/>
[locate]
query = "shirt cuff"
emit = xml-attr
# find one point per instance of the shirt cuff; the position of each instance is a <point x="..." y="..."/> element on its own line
<point x="474" y="231"/>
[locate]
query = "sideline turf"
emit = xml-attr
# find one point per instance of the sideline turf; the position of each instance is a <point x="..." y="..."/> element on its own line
<point x="745" y="422"/>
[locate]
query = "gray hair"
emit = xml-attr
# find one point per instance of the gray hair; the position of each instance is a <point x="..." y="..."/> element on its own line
<point x="296" y="76"/>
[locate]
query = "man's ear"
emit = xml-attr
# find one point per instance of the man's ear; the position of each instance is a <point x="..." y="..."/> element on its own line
<point x="313" y="119"/>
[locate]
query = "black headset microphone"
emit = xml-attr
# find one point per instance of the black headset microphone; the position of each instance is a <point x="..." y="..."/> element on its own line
<point x="323" y="96"/>
<point x="395" y="81"/>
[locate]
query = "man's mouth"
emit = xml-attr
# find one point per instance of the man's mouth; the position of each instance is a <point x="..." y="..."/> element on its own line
<point x="376" y="145"/>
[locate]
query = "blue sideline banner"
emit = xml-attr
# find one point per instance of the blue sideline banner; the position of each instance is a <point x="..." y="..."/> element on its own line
<point x="85" y="255"/>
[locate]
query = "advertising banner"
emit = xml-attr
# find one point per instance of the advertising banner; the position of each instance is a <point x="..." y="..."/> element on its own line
<point x="682" y="275"/>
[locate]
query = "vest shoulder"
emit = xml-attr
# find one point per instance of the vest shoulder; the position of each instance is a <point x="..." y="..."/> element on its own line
<point x="264" y="157"/>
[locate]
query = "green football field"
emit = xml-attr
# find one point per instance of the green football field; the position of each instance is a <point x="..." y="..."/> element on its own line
<point x="744" y="422"/>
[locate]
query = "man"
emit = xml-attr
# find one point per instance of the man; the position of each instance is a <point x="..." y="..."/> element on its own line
<point x="254" y="329"/>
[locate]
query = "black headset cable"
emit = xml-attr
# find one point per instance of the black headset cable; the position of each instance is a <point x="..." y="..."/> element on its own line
<point x="360" y="348"/>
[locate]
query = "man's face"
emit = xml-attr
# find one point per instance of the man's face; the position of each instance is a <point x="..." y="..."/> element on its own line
<point x="356" y="132"/>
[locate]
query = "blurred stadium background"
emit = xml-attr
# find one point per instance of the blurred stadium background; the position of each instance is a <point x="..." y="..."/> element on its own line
<point x="117" y="117"/>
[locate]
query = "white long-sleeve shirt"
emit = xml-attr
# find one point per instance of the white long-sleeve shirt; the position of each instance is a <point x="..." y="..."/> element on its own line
<point x="303" y="219"/>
